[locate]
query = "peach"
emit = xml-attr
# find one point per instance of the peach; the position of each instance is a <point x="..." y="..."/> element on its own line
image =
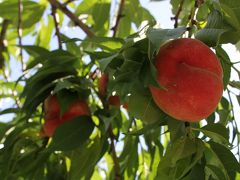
<point x="51" y="108"/>
<point x="50" y="126"/>
<point x="191" y="77"/>
<point x="53" y="117"/>
<point x="78" y="108"/>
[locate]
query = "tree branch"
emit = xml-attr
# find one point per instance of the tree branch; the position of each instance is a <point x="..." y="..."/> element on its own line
<point x="2" y="38"/>
<point x="119" y="16"/>
<point x="117" y="169"/>
<point x="19" y="29"/>
<point x="175" y="18"/>
<point x="73" y="17"/>
<point x="56" y="23"/>
<point x="191" y="17"/>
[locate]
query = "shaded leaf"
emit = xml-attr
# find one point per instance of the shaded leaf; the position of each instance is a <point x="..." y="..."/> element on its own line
<point x="72" y="134"/>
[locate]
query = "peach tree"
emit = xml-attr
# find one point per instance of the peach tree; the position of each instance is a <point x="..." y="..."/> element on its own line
<point x="98" y="89"/>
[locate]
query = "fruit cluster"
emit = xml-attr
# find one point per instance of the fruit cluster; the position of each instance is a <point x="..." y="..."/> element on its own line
<point x="190" y="79"/>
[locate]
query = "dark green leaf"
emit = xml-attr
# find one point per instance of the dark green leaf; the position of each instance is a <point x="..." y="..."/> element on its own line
<point x="180" y="157"/>
<point x="72" y="134"/>
<point x="160" y="36"/>
<point x="176" y="128"/>
<point x="84" y="159"/>
<point x="227" y="158"/>
<point x="226" y="64"/>
<point x="72" y="47"/>
<point x="144" y="108"/>
<point x="217" y="132"/>
<point x="35" y="51"/>
<point x="214" y="172"/>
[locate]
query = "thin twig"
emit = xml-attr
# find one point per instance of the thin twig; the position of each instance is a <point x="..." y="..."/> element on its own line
<point x="56" y="23"/>
<point x="2" y="44"/>
<point x="111" y="135"/>
<point x="175" y="18"/>
<point x="19" y="28"/>
<point x="119" y="16"/>
<point x="191" y="17"/>
<point x="73" y="17"/>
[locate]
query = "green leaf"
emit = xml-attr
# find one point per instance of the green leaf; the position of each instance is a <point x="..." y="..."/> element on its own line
<point x="227" y="159"/>
<point x="214" y="172"/>
<point x="105" y="43"/>
<point x="225" y="104"/>
<point x="84" y="159"/>
<point x="10" y="110"/>
<point x="128" y="159"/>
<point x="217" y="132"/>
<point x="35" y="51"/>
<point x="133" y="13"/>
<point x="235" y="84"/>
<point x="160" y="36"/>
<point x="85" y="7"/>
<point x="3" y="128"/>
<point x="202" y="12"/>
<point x="45" y="34"/>
<point x="71" y="46"/>
<point x="176" y="128"/>
<point x="225" y="116"/>
<point x="214" y="29"/>
<point x="226" y="64"/>
<point x="100" y="24"/>
<point x="124" y="28"/>
<point x="144" y="108"/>
<point x="103" y="8"/>
<point x="180" y="158"/>
<point x="106" y="61"/>
<point x="33" y="12"/>
<point x="72" y="134"/>
<point x="136" y="12"/>
<point x="231" y="13"/>
<point x="196" y="171"/>
<point x="145" y="129"/>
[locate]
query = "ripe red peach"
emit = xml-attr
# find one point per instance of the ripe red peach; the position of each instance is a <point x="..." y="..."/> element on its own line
<point x="51" y="108"/>
<point x="53" y="117"/>
<point x="191" y="77"/>
<point x="50" y="126"/>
